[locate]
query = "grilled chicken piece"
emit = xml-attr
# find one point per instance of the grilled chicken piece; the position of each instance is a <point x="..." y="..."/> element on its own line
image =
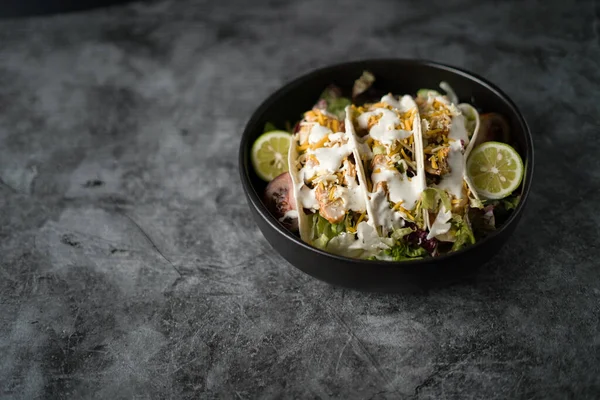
<point x="332" y="210"/>
<point x="442" y="164"/>
<point x="378" y="161"/>
<point x="350" y="173"/>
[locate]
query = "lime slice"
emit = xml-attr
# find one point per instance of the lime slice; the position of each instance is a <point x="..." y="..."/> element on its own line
<point x="495" y="169"/>
<point x="270" y="154"/>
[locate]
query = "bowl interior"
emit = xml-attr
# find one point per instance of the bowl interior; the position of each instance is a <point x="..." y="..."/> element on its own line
<point x="396" y="76"/>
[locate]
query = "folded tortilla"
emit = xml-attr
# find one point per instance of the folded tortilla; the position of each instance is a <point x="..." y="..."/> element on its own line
<point x="330" y="193"/>
<point x="448" y="131"/>
<point x="388" y="135"/>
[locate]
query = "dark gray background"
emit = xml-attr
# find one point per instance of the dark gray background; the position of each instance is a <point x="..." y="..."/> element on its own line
<point x="130" y="266"/>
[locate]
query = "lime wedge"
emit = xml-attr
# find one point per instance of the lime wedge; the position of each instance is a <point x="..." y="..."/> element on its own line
<point x="270" y="154"/>
<point x="495" y="169"/>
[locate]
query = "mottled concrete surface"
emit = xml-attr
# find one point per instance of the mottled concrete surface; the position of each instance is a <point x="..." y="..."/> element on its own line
<point x="130" y="267"/>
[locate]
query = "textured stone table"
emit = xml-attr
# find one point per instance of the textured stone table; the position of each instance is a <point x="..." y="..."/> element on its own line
<point x="130" y="267"/>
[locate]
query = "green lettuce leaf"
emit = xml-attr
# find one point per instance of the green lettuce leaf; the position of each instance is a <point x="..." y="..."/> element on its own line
<point x="338" y="107"/>
<point x="336" y="103"/>
<point x="511" y="202"/>
<point x="378" y="150"/>
<point x="399" y="233"/>
<point x="269" y="126"/>
<point x="431" y="197"/>
<point x="463" y="234"/>
<point x="401" y="251"/>
<point x="324" y="231"/>
<point x="508" y="203"/>
<point x="475" y="203"/>
<point x="425" y="92"/>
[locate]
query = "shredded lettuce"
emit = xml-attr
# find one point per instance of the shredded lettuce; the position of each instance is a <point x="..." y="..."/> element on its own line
<point x="431" y="197"/>
<point x="399" y="233"/>
<point x="424" y="93"/>
<point x="475" y="203"/>
<point x="324" y="231"/>
<point x="401" y="251"/>
<point x="335" y="103"/>
<point x="378" y="150"/>
<point x="463" y="234"/>
<point x="269" y="126"/>
<point x="508" y="203"/>
<point x="511" y="202"/>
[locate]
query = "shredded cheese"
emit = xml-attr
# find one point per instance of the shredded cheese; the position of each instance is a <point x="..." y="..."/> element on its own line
<point x="362" y="216"/>
<point x="433" y="162"/>
<point x="398" y="205"/>
<point x="320" y="143"/>
<point x="406" y="157"/>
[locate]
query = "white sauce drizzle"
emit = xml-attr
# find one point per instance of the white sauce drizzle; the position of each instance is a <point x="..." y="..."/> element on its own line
<point x="384" y="216"/>
<point x="441" y="225"/>
<point x="458" y="129"/>
<point x="400" y="188"/>
<point x="291" y="214"/>
<point x="384" y="130"/>
<point x="354" y="198"/>
<point x="317" y="133"/>
<point x="369" y="240"/>
<point x="307" y="198"/>
<point x="405" y="103"/>
<point x="453" y="180"/>
<point x="330" y="160"/>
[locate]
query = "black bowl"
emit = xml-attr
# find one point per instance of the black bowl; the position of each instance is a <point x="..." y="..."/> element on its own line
<point x="398" y="77"/>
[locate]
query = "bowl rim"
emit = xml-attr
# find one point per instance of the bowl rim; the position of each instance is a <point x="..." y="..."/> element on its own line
<point x="256" y="199"/>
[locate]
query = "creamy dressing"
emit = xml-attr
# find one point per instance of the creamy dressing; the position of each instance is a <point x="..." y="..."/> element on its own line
<point x="405" y="103"/>
<point x="291" y="214"/>
<point x="336" y="137"/>
<point x="317" y="133"/>
<point x="458" y="129"/>
<point x="330" y="158"/>
<point x="452" y="182"/>
<point x="400" y="188"/>
<point x="354" y="199"/>
<point x="307" y="198"/>
<point x="369" y="240"/>
<point x="383" y="215"/>
<point x="441" y="225"/>
<point x="384" y="130"/>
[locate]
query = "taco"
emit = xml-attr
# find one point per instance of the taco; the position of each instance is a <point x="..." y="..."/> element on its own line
<point x="330" y="197"/>
<point x="390" y="149"/>
<point x="448" y="131"/>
